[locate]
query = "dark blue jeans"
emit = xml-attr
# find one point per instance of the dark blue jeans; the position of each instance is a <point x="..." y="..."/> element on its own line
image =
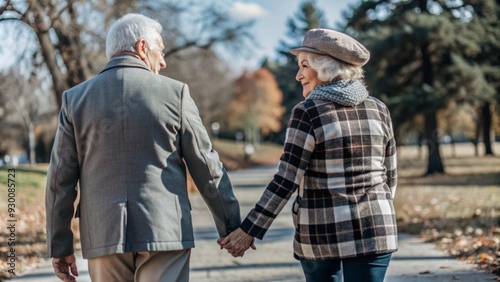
<point x="366" y="269"/>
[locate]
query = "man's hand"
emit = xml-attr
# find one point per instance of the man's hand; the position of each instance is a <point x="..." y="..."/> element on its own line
<point x="62" y="267"/>
<point x="219" y="241"/>
<point x="237" y="243"/>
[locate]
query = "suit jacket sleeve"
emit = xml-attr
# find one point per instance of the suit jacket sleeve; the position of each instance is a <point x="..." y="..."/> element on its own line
<point x="206" y="169"/>
<point x="61" y="190"/>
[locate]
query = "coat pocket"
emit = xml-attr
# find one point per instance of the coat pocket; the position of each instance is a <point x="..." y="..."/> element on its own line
<point x="295" y="211"/>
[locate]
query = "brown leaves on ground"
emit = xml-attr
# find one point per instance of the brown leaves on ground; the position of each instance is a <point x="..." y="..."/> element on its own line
<point x="459" y="210"/>
<point x="472" y="245"/>
<point x="30" y="248"/>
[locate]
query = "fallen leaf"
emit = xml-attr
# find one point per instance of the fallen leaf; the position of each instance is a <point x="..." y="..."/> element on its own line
<point x="484" y="257"/>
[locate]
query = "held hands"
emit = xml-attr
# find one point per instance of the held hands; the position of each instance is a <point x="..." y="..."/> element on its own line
<point x="237" y="243"/>
<point x="62" y="267"/>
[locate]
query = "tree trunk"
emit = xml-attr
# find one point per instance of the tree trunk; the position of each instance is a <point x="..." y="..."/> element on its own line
<point x="31" y="137"/>
<point x="435" y="164"/>
<point x="420" y="141"/>
<point x="41" y="28"/>
<point x="71" y="48"/>
<point x="477" y="133"/>
<point x="453" y="146"/>
<point x="49" y="56"/>
<point x="486" y="117"/>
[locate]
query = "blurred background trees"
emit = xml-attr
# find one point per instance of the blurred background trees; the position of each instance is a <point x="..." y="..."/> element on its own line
<point x="428" y="56"/>
<point x="63" y="42"/>
<point x="22" y="104"/>
<point x="434" y="62"/>
<point x="284" y="68"/>
<point x="256" y="106"/>
<point x="69" y="32"/>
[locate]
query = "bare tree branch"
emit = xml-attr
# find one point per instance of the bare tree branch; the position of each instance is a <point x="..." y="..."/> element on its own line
<point x="10" y="19"/>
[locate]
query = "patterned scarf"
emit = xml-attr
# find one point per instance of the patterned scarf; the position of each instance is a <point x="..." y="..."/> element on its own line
<point x="345" y="92"/>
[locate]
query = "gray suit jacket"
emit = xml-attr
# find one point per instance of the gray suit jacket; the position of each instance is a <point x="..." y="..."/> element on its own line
<point x="126" y="136"/>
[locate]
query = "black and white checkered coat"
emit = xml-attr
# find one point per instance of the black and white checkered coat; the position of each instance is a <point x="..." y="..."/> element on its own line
<point x="342" y="161"/>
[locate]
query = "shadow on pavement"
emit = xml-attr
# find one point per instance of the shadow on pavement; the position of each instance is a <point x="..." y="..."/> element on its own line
<point x="420" y="258"/>
<point x="247" y="266"/>
<point x="48" y="274"/>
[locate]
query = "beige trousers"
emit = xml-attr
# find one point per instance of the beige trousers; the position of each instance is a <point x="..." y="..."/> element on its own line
<point x="164" y="266"/>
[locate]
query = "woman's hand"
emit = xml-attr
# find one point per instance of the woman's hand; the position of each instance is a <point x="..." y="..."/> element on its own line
<point x="237" y="243"/>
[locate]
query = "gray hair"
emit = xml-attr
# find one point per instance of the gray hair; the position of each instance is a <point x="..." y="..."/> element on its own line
<point x="127" y="30"/>
<point x="329" y="68"/>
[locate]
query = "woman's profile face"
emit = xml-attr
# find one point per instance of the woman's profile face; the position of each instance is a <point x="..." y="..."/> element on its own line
<point x="306" y="75"/>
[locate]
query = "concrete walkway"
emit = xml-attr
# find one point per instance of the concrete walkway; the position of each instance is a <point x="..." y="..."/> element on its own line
<point x="273" y="260"/>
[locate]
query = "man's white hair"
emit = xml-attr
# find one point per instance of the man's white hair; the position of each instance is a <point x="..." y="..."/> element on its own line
<point x="127" y="30"/>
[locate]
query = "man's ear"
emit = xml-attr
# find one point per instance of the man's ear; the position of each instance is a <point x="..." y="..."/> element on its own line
<point x="140" y="47"/>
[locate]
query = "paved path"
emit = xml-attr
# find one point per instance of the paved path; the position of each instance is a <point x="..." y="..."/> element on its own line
<point x="273" y="260"/>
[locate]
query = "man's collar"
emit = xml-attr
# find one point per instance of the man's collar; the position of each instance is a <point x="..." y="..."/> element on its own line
<point x="125" y="60"/>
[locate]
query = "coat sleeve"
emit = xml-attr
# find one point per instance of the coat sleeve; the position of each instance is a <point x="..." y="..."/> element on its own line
<point x="299" y="146"/>
<point x="61" y="192"/>
<point x="206" y="169"/>
<point x="390" y="162"/>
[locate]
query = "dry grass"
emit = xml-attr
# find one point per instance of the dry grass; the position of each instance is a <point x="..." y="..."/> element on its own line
<point x="459" y="210"/>
<point x="30" y="235"/>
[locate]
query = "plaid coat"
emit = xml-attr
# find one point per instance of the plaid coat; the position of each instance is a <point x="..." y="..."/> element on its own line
<point x="342" y="161"/>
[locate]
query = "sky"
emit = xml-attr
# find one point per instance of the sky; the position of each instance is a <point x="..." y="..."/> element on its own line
<point x="270" y="18"/>
<point x="270" y="24"/>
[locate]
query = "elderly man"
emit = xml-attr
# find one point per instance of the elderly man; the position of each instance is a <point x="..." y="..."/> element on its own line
<point x="126" y="135"/>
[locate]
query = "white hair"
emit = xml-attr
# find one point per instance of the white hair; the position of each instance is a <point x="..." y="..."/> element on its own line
<point x="127" y="30"/>
<point x="329" y="68"/>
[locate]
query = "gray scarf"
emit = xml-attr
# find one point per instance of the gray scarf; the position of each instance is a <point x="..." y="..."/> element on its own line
<point x="345" y="92"/>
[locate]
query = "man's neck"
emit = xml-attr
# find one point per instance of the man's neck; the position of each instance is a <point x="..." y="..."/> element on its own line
<point x="126" y="53"/>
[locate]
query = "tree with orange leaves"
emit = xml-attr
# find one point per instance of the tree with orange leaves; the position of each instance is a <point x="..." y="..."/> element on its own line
<point x="256" y="106"/>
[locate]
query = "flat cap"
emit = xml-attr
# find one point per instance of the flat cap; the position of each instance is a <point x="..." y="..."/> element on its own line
<point x="335" y="44"/>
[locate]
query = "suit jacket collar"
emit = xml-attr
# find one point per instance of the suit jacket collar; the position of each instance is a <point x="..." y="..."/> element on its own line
<point x="125" y="61"/>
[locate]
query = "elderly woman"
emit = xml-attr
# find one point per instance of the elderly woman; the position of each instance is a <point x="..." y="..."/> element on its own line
<point x="340" y="155"/>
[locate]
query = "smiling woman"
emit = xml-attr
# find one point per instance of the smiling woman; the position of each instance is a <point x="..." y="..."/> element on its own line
<point x="307" y="75"/>
<point x="340" y="156"/>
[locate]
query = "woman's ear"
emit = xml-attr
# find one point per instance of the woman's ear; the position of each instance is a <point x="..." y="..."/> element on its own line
<point x="140" y="47"/>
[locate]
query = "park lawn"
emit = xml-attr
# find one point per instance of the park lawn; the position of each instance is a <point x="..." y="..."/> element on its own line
<point x="459" y="211"/>
<point x="30" y="235"/>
